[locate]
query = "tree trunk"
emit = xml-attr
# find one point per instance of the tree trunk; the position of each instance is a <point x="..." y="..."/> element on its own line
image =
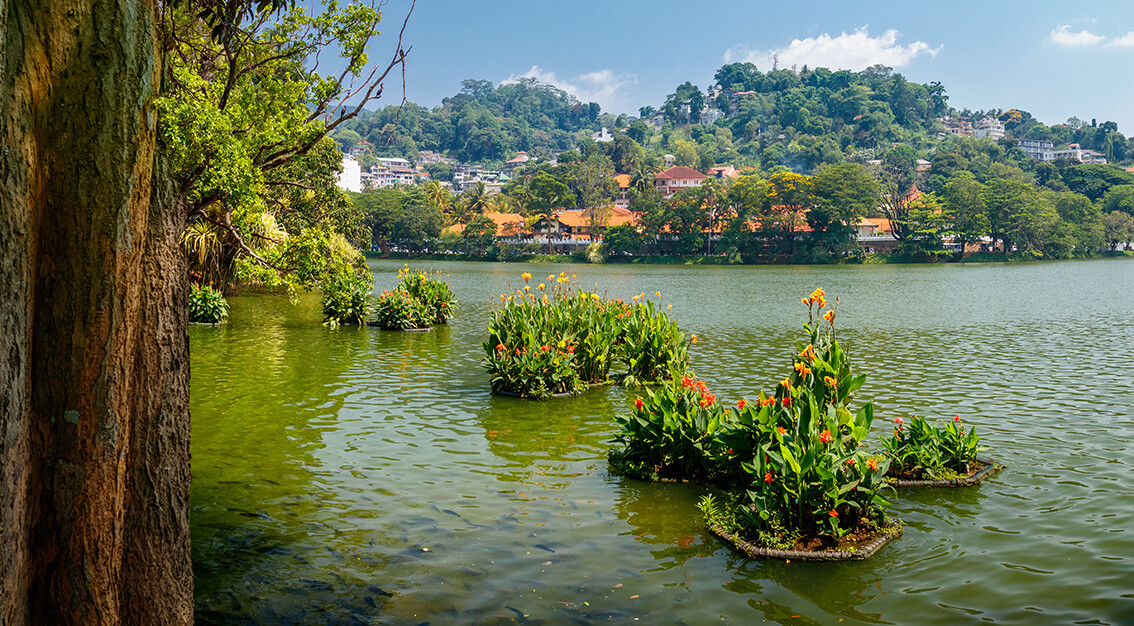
<point x="94" y="422"/>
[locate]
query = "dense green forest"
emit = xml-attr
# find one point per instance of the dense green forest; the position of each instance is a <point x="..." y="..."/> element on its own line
<point x="796" y="119"/>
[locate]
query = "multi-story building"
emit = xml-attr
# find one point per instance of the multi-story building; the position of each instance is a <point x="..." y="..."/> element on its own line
<point x="989" y="128"/>
<point x="1039" y="149"/>
<point x="677" y="178"/>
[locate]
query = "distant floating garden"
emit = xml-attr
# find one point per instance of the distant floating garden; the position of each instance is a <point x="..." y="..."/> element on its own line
<point x="420" y="301"/>
<point x="555" y="339"/>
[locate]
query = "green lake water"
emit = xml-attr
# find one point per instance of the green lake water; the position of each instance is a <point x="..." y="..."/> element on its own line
<point x="352" y="475"/>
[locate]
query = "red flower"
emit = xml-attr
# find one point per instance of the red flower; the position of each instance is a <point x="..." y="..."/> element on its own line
<point x="783" y="431"/>
<point x="850" y="461"/>
<point x="545" y="348"/>
<point x="957" y="419"/>
<point x="768" y="477"/>
<point x="833" y="513"/>
<point x="872" y="464"/>
<point x="740" y="404"/>
<point x="500" y="346"/>
<point x="786" y="402"/>
<point x="707" y="399"/>
<point x="570" y="349"/>
<point x="638" y="403"/>
<point x="826" y="437"/>
<point x="686" y="382"/>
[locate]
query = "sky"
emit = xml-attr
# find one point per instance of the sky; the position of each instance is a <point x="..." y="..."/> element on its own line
<point x="1053" y="59"/>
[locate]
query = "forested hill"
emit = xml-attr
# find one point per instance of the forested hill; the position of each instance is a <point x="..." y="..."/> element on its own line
<point x="796" y="118"/>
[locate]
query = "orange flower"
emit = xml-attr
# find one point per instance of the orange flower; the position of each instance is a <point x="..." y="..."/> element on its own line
<point x="686" y="382"/>
<point x="768" y="478"/>
<point x="767" y="401"/>
<point x="829" y="316"/>
<point x="741" y="403"/>
<point x="693" y="338"/>
<point x="545" y="348"/>
<point x="826" y="437"/>
<point x="500" y="346"/>
<point x="850" y="461"/>
<point x="783" y="431"/>
<point x="833" y="513"/>
<point x="638" y="403"/>
<point x="526" y="276"/>
<point x="570" y="349"/>
<point x="830" y="381"/>
<point x="786" y="402"/>
<point x="872" y="464"/>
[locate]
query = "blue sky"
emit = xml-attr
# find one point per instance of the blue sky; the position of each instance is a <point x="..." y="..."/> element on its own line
<point x="1055" y="59"/>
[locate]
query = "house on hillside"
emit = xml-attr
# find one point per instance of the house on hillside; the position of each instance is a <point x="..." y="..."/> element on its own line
<point x="623" y="199"/>
<point x="676" y="178"/>
<point x="1038" y="149"/>
<point x="517" y="161"/>
<point x="723" y="171"/>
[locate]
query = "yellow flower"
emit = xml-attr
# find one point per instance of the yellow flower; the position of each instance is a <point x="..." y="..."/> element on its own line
<point x="527" y="288"/>
<point x="808" y="353"/>
<point x="540" y="287"/>
<point x="829" y="316"/>
<point x="786" y="383"/>
<point x="550" y="277"/>
<point x="693" y="338"/>
<point x="596" y="296"/>
<point x="657" y="293"/>
<point x="635" y="298"/>
<point x="805" y="301"/>
<point x="802" y="369"/>
<point x="563" y="274"/>
<point x="526" y="276"/>
<point x="668" y="307"/>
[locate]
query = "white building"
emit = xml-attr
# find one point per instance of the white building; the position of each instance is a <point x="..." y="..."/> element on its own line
<point x="1076" y="153"/>
<point x="989" y="128"/>
<point x="602" y="136"/>
<point x="350" y="179"/>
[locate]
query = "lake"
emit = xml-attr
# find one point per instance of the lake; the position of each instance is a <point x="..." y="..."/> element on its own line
<point x="353" y="475"/>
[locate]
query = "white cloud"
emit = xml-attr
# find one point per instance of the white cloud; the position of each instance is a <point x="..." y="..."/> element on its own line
<point x="854" y="51"/>
<point x="602" y="86"/>
<point x="1063" y="36"/>
<point x="1124" y="41"/>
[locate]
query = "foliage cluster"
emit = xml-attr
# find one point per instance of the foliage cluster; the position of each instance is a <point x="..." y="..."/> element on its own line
<point x="557" y="339"/>
<point x="791" y="455"/>
<point x="206" y="305"/>
<point x="921" y="451"/>
<point x="421" y="299"/>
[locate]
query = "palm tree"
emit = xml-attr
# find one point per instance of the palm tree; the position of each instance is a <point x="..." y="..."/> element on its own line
<point x="477" y="200"/>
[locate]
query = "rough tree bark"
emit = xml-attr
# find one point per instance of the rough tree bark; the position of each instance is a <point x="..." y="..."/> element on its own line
<point x="94" y="421"/>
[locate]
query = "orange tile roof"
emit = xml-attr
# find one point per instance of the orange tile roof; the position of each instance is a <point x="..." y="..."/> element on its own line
<point x="623" y="181"/>
<point x="506" y="224"/>
<point x="680" y="171"/>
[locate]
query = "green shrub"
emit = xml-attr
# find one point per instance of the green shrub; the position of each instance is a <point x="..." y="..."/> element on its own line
<point x="207" y="305"/>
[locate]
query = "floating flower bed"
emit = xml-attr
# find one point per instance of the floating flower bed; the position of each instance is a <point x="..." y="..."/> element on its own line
<point x="552" y="339"/>
<point x="978" y="470"/>
<point x="420" y="301"/>
<point x="790" y="460"/>
<point x="927" y="456"/>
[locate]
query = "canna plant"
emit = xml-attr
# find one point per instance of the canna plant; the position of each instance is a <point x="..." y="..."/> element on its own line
<point x="420" y="300"/>
<point x="791" y="457"/>
<point x="672" y="434"/>
<point x="582" y="331"/>
<point x="924" y="452"/>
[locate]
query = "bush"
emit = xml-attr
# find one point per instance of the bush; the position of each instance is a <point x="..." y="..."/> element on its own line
<point x="595" y="332"/>
<point x="347" y="297"/>
<point x="207" y="305"/>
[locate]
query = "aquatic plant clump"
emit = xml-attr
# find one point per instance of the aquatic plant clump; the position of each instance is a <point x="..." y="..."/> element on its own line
<point x="420" y="300"/>
<point x="919" y="451"/>
<point x="206" y="305"/>
<point x="347" y="297"/>
<point x="552" y="338"/>
<point x="791" y="458"/>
